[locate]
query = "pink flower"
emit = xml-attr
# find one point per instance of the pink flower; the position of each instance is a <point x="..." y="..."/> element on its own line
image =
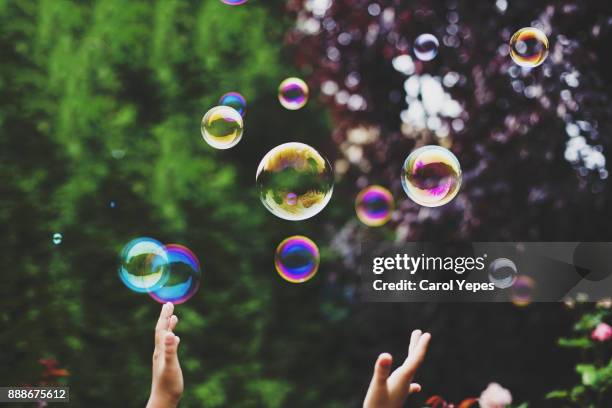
<point x="602" y="332"/>
<point x="495" y="396"/>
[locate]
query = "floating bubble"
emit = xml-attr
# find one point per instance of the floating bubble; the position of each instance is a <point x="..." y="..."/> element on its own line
<point x="184" y="275"/>
<point x="529" y="47"/>
<point x="426" y="47"/>
<point x="234" y="2"/>
<point x="295" y="182"/>
<point x="374" y="206"/>
<point x="297" y="259"/>
<point x="234" y="100"/>
<point x="112" y="204"/>
<point x="222" y="127"/>
<point x="502" y="273"/>
<point x="144" y="265"/>
<point x="431" y="176"/>
<point x="57" y="238"/>
<point x="523" y="290"/>
<point x="293" y="93"/>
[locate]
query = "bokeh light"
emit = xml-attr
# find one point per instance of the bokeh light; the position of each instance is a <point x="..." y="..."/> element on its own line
<point x="297" y="259"/>
<point x="184" y="276"/>
<point x="426" y="47"/>
<point x="293" y="93"/>
<point x="529" y="47"/>
<point x="502" y="273"/>
<point x="431" y="176"/>
<point x="222" y="127"/>
<point x="523" y="290"/>
<point x="295" y="182"/>
<point x="144" y="265"/>
<point x="374" y="206"/>
<point x="234" y="100"/>
<point x="57" y="238"/>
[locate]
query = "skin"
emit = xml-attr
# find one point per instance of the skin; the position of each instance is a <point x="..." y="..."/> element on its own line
<point x="390" y="389"/>
<point x="167" y="384"/>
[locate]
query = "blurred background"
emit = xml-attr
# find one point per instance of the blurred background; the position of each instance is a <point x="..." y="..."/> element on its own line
<point x="100" y="108"/>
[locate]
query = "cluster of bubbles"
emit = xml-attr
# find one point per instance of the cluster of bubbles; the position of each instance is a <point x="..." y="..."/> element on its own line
<point x="297" y="259"/>
<point x="374" y="206"/>
<point x="529" y="47"/>
<point x="431" y="176"/>
<point x="168" y="273"/>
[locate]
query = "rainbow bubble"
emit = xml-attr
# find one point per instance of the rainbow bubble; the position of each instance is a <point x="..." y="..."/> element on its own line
<point x="295" y="182"/>
<point x="234" y="2"/>
<point x="144" y="265"/>
<point x="297" y="259"/>
<point x="374" y="206"/>
<point x="222" y="127"/>
<point x="234" y="100"/>
<point x="502" y="273"/>
<point x="529" y="47"/>
<point x="293" y="93"/>
<point x="57" y="238"/>
<point x="431" y="176"/>
<point x="522" y="290"/>
<point x="426" y="47"/>
<point x="184" y="275"/>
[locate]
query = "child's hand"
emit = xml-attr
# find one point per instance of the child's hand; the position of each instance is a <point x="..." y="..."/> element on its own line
<point x="167" y="386"/>
<point x="391" y="390"/>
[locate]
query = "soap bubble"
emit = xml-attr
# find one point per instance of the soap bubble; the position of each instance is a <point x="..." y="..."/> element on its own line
<point x="144" y="265"/>
<point x="57" y="238"/>
<point x="295" y="182"/>
<point x="523" y="290"/>
<point x="234" y="2"/>
<point x="222" y="127"/>
<point x="184" y="276"/>
<point x="293" y="93"/>
<point x="426" y="47"/>
<point x="234" y="100"/>
<point x="297" y="259"/>
<point x="529" y="47"/>
<point x="502" y="273"/>
<point x="374" y="206"/>
<point x="431" y="176"/>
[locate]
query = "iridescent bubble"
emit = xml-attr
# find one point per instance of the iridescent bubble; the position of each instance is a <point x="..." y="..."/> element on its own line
<point x="295" y="182"/>
<point x="502" y="273"/>
<point x="529" y="47"/>
<point x="297" y="259"/>
<point x="144" y="265"/>
<point x="426" y="47"/>
<point x="293" y="93"/>
<point x="234" y="2"/>
<point x="184" y="275"/>
<point x="234" y="100"/>
<point x="431" y="176"/>
<point x="57" y="238"/>
<point x="374" y="206"/>
<point x="523" y="290"/>
<point x="222" y="127"/>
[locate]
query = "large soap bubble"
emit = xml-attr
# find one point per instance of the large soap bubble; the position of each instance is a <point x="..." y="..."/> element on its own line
<point x="184" y="275"/>
<point x="222" y="127"/>
<point x="297" y="259"/>
<point x="144" y="265"/>
<point x="529" y="47"/>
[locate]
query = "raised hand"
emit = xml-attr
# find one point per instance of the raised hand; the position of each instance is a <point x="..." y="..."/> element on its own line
<point x="390" y="390"/>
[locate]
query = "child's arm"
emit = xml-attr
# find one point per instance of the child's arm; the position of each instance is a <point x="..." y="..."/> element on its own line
<point x="390" y="390"/>
<point x="167" y="384"/>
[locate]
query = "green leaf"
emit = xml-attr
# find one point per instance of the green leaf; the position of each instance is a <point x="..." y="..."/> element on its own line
<point x="557" y="394"/>
<point x="580" y="342"/>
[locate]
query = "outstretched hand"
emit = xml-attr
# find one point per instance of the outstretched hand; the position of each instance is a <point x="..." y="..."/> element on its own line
<point x="167" y="384"/>
<point x="390" y="390"/>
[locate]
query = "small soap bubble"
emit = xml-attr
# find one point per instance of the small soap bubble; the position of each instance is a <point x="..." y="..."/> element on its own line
<point x="184" y="275"/>
<point x="234" y="100"/>
<point x="144" y="265"/>
<point x="297" y="259"/>
<point x="502" y="273"/>
<point x="529" y="47"/>
<point x="112" y="204"/>
<point x="234" y="2"/>
<point x="523" y="290"/>
<point x="374" y="206"/>
<point x="426" y="47"/>
<point x="222" y="127"/>
<point x="295" y="182"/>
<point x="431" y="176"/>
<point x="57" y="238"/>
<point x="293" y="93"/>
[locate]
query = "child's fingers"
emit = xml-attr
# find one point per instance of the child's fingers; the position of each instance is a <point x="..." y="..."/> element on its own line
<point x="171" y="343"/>
<point x="414" y="338"/>
<point x="414" y="360"/>
<point x="414" y="388"/>
<point x="382" y="369"/>
<point x="172" y="322"/>
<point x="163" y="322"/>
